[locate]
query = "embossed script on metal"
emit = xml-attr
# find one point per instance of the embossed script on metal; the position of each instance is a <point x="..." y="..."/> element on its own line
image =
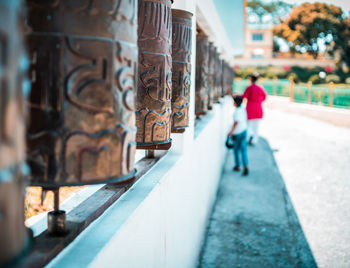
<point x="181" y="80"/>
<point x="83" y="72"/>
<point x="217" y="77"/>
<point x="227" y="77"/>
<point x="211" y="75"/>
<point x="202" y="65"/>
<point x="13" y="88"/>
<point x="153" y="102"/>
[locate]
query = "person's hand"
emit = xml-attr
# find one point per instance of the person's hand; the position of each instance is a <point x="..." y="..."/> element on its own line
<point x="229" y="92"/>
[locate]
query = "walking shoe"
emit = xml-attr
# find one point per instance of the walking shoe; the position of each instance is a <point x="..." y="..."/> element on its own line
<point x="236" y="168"/>
<point x="245" y="171"/>
<point x="250" y="142"/>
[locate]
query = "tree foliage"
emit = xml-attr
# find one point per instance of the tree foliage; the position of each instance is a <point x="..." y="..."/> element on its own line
<point x="311" y="24"/>
<point x="275" y="9"/>
<point x="341" y="42"/>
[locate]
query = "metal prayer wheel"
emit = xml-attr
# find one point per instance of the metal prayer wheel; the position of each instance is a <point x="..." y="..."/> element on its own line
<point x="181" y="76"/>
<point x="217" y="77"/>
<point x="13" y="87"/>
<point x="202" y="65"/>
<point x="83" y="72"/>
<point x="222" y="86"/>
<point x="211" y="75"/>
<point x="224" y="77"/>
<point x="153" y="103"/>
<point x="231" y="76"/>
<point x="227" y="77"/>
<point x="83" y="60"/>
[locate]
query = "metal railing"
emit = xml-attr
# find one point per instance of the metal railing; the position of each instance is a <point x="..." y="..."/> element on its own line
<point x="329" y="95"/>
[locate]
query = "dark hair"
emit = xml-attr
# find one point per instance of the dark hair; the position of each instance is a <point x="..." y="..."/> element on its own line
<point x="238" y="100"/>
<point x="254" y="77"/>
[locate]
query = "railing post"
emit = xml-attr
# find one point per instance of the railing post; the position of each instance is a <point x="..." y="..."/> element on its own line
<point x="309" y="87"/>
<point x="331" y="87"/>
<point x="274" y="86"/>
<point x="150" y="154"/>
<point x="291" y="93"/>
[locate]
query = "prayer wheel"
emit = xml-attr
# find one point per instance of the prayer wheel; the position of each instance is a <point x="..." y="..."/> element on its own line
<point x="222" y="85"/>
<point x="211" y="76"/>
<point x="181" y="75"/>
<point x="217" y="78"/>
<point x="202" y="62"/>
<point x="227" y="77"/>
<point x="230" y="78"/>
<point x="13" y="170"/>
<point x="83" y="72"/>
<point x="153" y="103"/>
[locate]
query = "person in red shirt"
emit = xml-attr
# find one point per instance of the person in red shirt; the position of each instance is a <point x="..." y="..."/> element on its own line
<point x="255" y="95"/>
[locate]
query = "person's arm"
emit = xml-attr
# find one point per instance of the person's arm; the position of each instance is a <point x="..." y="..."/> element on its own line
<point x="231" y="94"/>
<point x="233" y="128"/>
<point x="264" y="94"/>
<point x="246" y="93"/>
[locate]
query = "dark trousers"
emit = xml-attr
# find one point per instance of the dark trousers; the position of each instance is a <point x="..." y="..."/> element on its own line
<point x="240" y="148"/>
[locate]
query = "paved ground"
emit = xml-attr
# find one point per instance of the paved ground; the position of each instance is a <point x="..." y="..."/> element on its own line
<point x="254" y="223"/>
<point x="335" y="116"/>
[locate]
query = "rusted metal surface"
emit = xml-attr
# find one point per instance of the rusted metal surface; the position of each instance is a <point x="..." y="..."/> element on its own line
<point x="227" y="77"/>
<point x="46" y="247"/>
<point x="211" y="75"/>
<point x="217" y="78"/>
<point x="153" y="102"/>
<point x="83" y="72"/>
<point x="202" y="65"/>
<point x="181" y="76"/>
<point x="13" y="87"/>
<point x="222" y="85"/>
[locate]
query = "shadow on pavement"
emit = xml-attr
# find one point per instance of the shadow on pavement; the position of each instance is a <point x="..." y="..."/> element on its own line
<point x="253" y="222"/>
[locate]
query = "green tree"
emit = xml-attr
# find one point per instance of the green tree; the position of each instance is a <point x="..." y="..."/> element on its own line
<point x="276" y="9"/>
<point x="310" y="23"/>
<point x="342" y="41"/>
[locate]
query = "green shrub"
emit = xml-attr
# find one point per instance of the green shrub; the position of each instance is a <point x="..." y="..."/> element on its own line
<point x="294" y="76"/>
<point x="347" y="80"/>
<point x="315" y="79"/>
<point x="282" y="75"/>
<point x="270" y="75"/>
<point x="304" y="74"/>
<point x="333" y="78"/>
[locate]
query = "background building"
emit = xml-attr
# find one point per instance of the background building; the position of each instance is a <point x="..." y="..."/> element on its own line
<point x="258" y="41"/>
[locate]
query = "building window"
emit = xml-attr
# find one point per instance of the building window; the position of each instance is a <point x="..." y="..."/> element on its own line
<point x="258" y="37"/>
<point x="257" y="56"/>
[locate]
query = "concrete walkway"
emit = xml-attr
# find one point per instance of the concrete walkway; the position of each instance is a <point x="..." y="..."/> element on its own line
<point x="293" y="210"/>
<point x="254" y="223"/>
<point x="314" y="159"/>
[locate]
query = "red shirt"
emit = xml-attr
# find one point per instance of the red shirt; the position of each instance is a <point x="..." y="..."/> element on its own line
<point x="255" y="95"/>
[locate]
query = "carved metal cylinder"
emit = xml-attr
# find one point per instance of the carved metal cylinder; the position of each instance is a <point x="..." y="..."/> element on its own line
<point x="211" y="76"/>
<point x="217" y="77"/>
<point x="83" y="72"/>
<point x="231" y="76"/>
<point x="224" y="76"/>
<point x="227" y="77"/>
<point x="181" y="75"/>
<point x="153" y="103"/>
<point x="222" y="86"/>
<point x="13" y="87"/>
<point x="202" y="66"/>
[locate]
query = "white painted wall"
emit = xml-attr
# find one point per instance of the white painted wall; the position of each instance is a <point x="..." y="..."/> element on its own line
<point x="209" y="20"/>
<point x="161" y="220"/>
